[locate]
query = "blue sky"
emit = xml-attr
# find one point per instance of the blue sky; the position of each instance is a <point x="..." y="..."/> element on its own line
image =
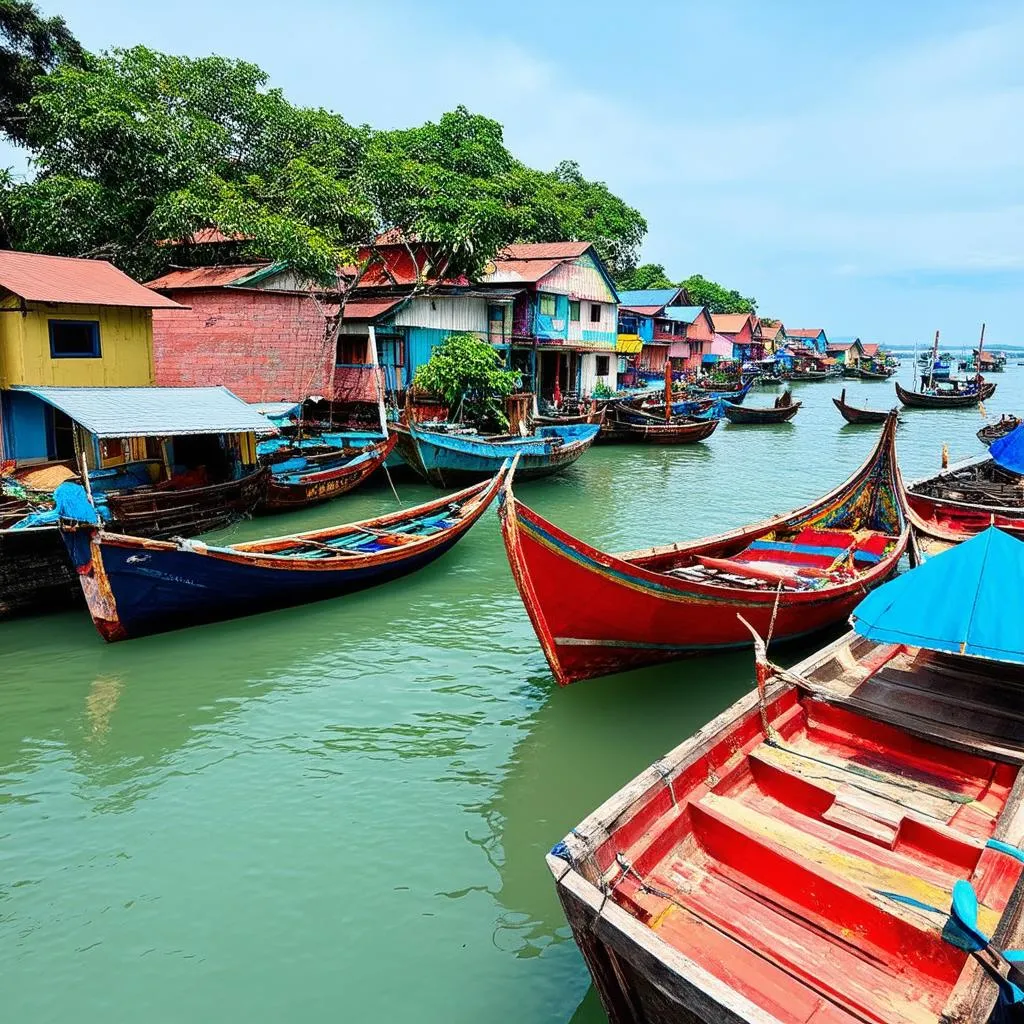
<point x="854" y="165"/>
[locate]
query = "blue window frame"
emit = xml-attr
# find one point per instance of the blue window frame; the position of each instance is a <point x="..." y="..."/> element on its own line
<point x="74" y="339"/>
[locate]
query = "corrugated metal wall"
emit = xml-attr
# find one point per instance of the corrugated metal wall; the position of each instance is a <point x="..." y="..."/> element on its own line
<point x="450" y="313"/>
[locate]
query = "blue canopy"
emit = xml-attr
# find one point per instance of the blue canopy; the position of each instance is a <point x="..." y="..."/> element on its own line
<point x="968" y="600"/>
<point x="1008" y="451"/>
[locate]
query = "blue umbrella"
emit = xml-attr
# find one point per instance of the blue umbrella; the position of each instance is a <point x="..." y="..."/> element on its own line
<point x="968" y="600"/>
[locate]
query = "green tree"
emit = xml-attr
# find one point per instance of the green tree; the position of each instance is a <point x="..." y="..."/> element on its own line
<point x="716" y="297"/>
<point x="30" y="45"/>
<point x="469" y="374"/>
<point x="134" y="146"/>
<point x="649" y="275"/>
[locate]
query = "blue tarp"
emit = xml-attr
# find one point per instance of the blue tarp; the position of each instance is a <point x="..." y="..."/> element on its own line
<point x="968" y="600"/>
<point x="1008" y="451"/>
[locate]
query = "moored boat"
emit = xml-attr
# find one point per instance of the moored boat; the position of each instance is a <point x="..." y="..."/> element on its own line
<point x="447" y="458"/>
<point x="35" y="573"/>
<point x="732" y="395"/>
<point x="301" y="486"/>
<point x="852" y="414"/>
<point x="1006" y="424"/>
<point x="629" y="426"/>
<point x="843" y="844"/>
<point x="135" y="587"/>
<point x="782" y="411"/>
<point x="808" y="375"/>
<point x="595" y="415"/>
<point x="950" y="396"/>
<point x="596" y="613"/>
<point x="868" y="373"/>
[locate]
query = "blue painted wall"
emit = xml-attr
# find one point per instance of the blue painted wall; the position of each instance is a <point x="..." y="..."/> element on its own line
<point x="552" y="327"/>
<point x="24" y="425"/>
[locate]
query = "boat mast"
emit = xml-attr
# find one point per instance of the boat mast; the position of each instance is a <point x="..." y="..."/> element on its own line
<point x="935" y="356"/>
<point x="668" y="390"/>
<point x="981" y="345"/>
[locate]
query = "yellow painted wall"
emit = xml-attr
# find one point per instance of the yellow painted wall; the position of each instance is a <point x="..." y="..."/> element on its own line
<point x="126" y="346"/>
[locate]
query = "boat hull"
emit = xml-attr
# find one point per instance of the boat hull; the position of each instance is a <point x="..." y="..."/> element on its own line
<point x="753" y="416"/>
<point x="136" y="587"/>
<point x="917" y="400"/>
<point x="35" y="572"/>
<point x="617" y="430"/>
<point x="857" y="416"/>
<point x="452" y="461"/>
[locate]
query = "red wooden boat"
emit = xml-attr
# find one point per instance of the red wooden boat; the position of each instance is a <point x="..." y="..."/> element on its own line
<point x="795" y="861"/>
<point x="596" y="613"/>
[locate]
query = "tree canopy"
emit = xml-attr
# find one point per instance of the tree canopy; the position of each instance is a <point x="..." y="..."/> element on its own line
<point x="648" y="275"/>
<point x="133" y="146"/>
<point x="716" y="297"/>
<point x="30" y="45"/>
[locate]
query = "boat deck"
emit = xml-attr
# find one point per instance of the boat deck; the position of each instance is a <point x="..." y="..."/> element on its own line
<point x="797" y="869"/>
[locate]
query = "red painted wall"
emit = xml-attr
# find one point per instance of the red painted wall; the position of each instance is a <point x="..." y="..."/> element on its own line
<point x="264" y="346"/>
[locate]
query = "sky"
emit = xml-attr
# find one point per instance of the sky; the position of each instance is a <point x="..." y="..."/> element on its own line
<point x="855" y="165"/>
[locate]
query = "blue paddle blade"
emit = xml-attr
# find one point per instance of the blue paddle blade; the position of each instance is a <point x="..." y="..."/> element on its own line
<point x="965" y="910"/>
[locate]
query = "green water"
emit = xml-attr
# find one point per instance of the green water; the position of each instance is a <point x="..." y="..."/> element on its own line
<point x="339" y="812"/>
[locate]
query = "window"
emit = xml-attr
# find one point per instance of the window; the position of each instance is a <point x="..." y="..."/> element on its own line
<point x="392" y="351"/>
<point x="595" y="313"/>
<point x="351" y="350"/>
<point x="602" y="365"/>
<point x="74" y="339"/>
<point x="574" y="311"/>
<point x="496" y="314"/>
<point x="547" y="305"/>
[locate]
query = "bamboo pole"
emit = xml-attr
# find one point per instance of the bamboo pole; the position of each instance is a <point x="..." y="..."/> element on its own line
<point x="668" y="390"/>
<point x="378" y="381"/>
<point x="935" y="356"/>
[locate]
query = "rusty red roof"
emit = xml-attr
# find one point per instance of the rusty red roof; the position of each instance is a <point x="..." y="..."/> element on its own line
<point x="642" y="310"/>
<point x="869" y="350"/>
<point x="206" y="236"/>
<point x="38" y="278"/>
<point x="368" y="309"/>
<point x="731" y="323"/>
<point x="804" y="332"/>
<point x="204" y="277"/>
<point x="543" y="251"/>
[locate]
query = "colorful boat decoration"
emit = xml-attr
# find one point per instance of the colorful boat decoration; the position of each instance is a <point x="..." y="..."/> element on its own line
<point x="855" y="415"/>
<point x="597" y="613"/>
<point x="843" y="844"/>
<point x="294" y="487"/>
<point x="782" y="411"/>
<point x="134" y="587"/>
<point x="950" y="395"/>
<point x="631" y="426"/>
<point x="448" y="458"/>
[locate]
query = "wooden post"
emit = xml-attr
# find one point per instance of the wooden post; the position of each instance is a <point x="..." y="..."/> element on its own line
<point x="378" y="381"/>
<point x="85" y="476"/>
<point x="668" y="390"/>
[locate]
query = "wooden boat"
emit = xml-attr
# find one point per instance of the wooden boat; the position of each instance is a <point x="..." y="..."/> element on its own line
<point x="596" y="613"/>
<point x="169" y="512"/>
<point x="1006" y="424"/>
<point x="445" y="459"/>
<point x="35" y="573"/>
<point x="966" y="498"/>
<point x="866" y="374"/>
<point x="301" y="488"/>
<point x="733" y="395"/>
<point x="595" y="415"/>
<point x="808" y="375"/>
<point x="798" y="858"/>
<point x="852" y="414"/>
<point x="782" y="411"/>
<point x="135" y="587"/>
<point x="630" y="427"/>
<point x="945" y="398"/>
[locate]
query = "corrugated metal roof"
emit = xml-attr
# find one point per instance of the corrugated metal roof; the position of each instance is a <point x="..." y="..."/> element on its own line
<point x="683" y="314"/>
<point x="525" y="271"/>
<point x="205" y="277"/>
<point x="729" y="323"/>
<point x="870" y="349"/>
<point x="368" y="309"/>
<point x="38" y="278"/>
<point x="207" y="236"/>
<point x="641" y="310"/>
<point x="649" y="297"/>
<point x="154" y="412"/>
<point x="804" y="332"/>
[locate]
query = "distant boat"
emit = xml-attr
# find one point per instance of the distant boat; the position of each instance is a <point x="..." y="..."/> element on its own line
<point x="808" y="375"/>
<point x="445" y="459"/>
<point x="949" y="397"/>
<point x="852" y="414"/>
<point x="135" y="587"/>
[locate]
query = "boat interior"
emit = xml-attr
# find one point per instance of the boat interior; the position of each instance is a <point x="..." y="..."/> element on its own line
<point x="810" y="866"/>
<point x="980" y="482"/>
<point x="795" y="559"/>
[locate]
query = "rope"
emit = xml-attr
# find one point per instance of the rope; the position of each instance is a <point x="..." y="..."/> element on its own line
<point x="664" y="773"/>
<point x="391" y="484"/>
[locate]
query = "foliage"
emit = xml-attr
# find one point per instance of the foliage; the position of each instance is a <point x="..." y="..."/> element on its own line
<point x="602" y="390"/>
<point x="717" y="298"/>
<point x="134" y="146"/>
<point x="469" y="374"/>
<point x="32" y="45"/>
<point x="648" y="275"/>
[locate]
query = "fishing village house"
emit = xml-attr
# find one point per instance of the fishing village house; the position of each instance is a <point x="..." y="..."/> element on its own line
<point x="77" y="375"/>
<point x="658" y="325"/>
<point x="845" y="351"/>
<point x="773" y="337"/>
<point x="809" y="347"/>
<point x="744" y="331"/>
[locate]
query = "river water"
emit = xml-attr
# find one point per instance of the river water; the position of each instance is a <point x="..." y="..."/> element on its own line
<point x="340" y="812"/>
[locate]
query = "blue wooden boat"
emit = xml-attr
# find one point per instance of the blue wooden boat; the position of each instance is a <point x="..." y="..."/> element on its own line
<point x="135" y="587"/>
<point x="447" y="459"/>
<point x="736" y="395"/>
